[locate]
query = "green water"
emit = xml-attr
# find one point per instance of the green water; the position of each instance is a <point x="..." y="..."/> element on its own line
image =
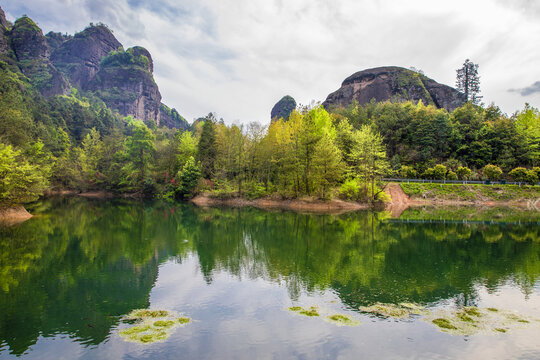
<point x="69" y="275"/>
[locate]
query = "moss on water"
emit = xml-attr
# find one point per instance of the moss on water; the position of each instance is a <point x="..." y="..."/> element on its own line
<point x="183" y="320"/>
<point x="295" y="308"/>
<point x="492" y="309"/>
<point x="444" y="324"/>
<point x="400" y="311"/>
<point x="473" y="311"/>
<point x="164" y="323"/>
<point x="311" y="312"/>
<point x="342" y="320"/>
<point x="151" y="325"/>
<point x="500" y="330"/>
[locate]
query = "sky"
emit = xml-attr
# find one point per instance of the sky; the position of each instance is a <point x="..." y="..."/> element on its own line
<point x="237" y="58"/>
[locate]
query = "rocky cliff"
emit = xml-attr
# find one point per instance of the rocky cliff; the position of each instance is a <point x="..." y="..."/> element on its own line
<point x="396" y="84"/>
<point x="283" y="108"/>
<point x="33" y="55"/>
<point x="92" y="60"/>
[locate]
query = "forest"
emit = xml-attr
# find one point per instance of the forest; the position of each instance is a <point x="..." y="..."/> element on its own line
<point x="75" y="142"/>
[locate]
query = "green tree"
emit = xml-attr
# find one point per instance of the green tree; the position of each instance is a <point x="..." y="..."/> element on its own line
<point x="20" y="180"/>
<point x="327" y="165"/>
<point x="140" y="147"/>
<point x="187" y="147"/>
<point x="369" y="155"/>
<point x="468" y="81"/>
<point x="207" y="149"/>
<point x="188" y="178"/>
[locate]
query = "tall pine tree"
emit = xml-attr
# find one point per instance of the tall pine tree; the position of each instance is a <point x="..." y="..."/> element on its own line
<point x="468" y="81"/>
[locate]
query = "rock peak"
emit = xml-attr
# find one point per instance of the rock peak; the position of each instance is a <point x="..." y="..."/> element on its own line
<point x="283" y="108"/>
<point x="394" y="83"/>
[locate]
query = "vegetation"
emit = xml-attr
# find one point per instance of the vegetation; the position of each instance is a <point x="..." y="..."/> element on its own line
<point x="468" y="81"/>
<point x="76" y="142"/>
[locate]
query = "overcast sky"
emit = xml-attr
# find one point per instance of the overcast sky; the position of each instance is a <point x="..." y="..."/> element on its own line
<point x="239" y="57"/>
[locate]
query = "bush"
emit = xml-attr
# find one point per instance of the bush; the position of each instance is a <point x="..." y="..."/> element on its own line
<point x="438" y="172"/>
<point x="492" y="172"/>
<point x="254" y="191"/>
<point x="407" y="172"/>
<point x="519" y="174"/>
<point x="149" y="188"/>
<point x="353" y="189"/>
<point x="451" y="176"/>
<point x="463" y="173"/>
<point x="531" y="177"/>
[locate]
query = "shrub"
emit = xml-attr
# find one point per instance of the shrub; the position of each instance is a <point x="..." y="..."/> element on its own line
<point x="353" y="189"/>
<point x="519" y="174"/>
<point x="492" y="172"/>
<point x="463" y="173"/>
<point x="407" y="172"/>
<point x="531" y="177"/>
<point x="451" y="176"/>
<point x="438" y="172"/>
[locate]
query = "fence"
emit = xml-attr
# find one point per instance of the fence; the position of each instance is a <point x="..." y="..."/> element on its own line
<point x="461" y="182"/>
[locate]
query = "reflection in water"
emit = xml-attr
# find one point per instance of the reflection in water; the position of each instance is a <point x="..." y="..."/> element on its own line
<point x="82" y="264"/>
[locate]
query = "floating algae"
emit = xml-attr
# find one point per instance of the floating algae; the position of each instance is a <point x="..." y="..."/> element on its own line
<point x="311" y="312"/>
<point x="151" y="325"/>
<point x="336" y="319"/>
<point x="473" y="320"/>
<point x="342" y="320"/>
<point x="400" y="311"/>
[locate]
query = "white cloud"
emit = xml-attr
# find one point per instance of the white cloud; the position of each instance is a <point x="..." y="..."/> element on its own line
<point x="238" y="57"/>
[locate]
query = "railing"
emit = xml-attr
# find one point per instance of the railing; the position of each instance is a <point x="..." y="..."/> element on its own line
<point x="462" y="182"/>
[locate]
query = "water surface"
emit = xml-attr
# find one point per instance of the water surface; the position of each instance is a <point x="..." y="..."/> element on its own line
<point x="69" y="275"/>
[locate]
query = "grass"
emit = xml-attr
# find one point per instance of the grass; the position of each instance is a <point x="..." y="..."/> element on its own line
<point x="472" y="192"/>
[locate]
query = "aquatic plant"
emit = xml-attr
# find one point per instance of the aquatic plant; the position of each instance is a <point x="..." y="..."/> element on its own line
<point x="400" y="311"/>
<point x="473" y="320"/>
<point x="150" y="325"/>
<point x="342" y="320"/>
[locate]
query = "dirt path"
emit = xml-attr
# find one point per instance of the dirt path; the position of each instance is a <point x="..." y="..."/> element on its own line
<point x="400" y="200"/>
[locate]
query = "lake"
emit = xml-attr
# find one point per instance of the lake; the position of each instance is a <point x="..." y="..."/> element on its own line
<point x="248" y="279"/>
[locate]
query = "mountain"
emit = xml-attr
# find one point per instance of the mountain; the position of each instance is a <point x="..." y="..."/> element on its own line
<point x="92" y="61"/>
<point x="283" y="108"/>
<point x="396" y="84"/>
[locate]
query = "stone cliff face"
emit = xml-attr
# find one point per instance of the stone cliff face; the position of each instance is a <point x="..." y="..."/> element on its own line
<point x="33" y="52"/>
<point x="79" y="58"/>
<point x="397" y="84"/>
<point x="91" y="60"/>
<point x="283" y="108"/>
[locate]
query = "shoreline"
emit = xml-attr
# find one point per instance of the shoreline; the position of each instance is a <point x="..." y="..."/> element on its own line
<point x="14" y="215"/>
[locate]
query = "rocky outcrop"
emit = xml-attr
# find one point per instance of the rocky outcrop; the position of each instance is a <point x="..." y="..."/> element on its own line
<point x="396" y="84"/>
<point x="283" y="108"/>
<point x="33" y="53"/>
<point x="125" y="83"/>
<point x="79" y="58"/>
<point x="4" y="27"/>
<point x="91" y="60"/>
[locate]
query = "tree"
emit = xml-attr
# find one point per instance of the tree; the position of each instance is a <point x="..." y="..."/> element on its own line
<point x="140" y="147"/>
<point x="468" y="81"/>
<point x="327" y="165"/>
<point x="20" y="180"/>
<point x="207" y="150"/>
<point x="188" y="177"/>
<point x="187" y="147"/>
<point x="492" y="172"/>
<point x="369" y="155"/>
